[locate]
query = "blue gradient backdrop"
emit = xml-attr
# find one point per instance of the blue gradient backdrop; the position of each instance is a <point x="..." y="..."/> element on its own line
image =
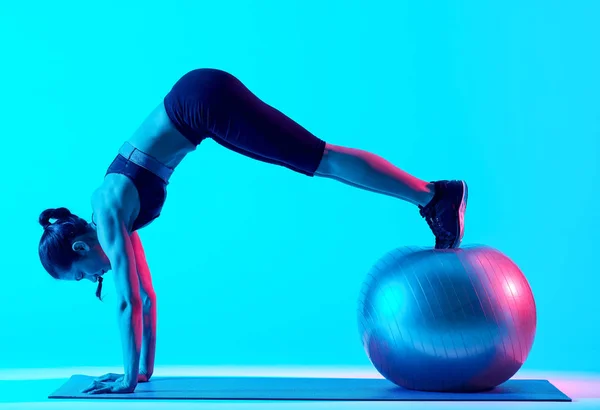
<point x="256" y="265"/>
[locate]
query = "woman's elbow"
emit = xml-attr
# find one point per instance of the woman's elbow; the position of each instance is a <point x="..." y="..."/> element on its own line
<point x="130" y="304"/>
<point x="148" y="301"/>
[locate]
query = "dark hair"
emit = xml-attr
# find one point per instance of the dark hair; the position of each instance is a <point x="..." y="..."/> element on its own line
<point x="56" y="246"/>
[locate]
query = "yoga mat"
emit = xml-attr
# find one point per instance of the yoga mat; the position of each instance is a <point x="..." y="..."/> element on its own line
<point x="290" y="388"/>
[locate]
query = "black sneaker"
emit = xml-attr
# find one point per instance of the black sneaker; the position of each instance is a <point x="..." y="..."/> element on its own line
<point x="445" y="214"/>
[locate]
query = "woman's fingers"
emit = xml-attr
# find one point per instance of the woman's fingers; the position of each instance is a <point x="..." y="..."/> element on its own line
<point x="95" y="384"/>
<point x="105" y="389"/>
<point x="98" y="388"/>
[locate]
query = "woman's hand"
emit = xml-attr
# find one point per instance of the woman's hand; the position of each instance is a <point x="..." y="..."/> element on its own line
<point x="98" y="387"/>
<point x="112" y="383"/>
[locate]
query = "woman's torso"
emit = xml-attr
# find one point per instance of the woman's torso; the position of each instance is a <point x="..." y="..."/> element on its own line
<point x="158" y="138"/>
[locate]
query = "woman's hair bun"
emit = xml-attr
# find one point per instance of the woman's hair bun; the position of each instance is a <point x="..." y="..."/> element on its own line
<point x="53" y="213"/>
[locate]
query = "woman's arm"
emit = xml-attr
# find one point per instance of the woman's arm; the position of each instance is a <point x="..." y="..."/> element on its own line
<point x="148" y="308"/>
<point x="116" y="243"/>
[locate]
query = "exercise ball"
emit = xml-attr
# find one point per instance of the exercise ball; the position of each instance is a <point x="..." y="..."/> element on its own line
<point x="456" y="320"/>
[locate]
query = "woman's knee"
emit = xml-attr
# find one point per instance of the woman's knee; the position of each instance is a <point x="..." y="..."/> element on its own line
<point x="327" y="164"/>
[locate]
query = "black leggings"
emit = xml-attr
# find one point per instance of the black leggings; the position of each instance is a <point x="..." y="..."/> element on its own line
<point x="210" y="103"/>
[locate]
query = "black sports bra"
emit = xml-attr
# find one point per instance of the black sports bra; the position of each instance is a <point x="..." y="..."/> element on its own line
<point x="149" y="176"/>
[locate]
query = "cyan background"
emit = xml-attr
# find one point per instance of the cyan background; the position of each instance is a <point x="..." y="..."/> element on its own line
<point x="256" y="265"/>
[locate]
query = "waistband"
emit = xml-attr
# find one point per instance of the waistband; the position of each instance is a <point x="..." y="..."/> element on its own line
<point x="145" y="161"/>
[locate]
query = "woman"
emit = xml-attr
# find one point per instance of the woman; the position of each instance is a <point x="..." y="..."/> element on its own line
<point x="206" y="103"/>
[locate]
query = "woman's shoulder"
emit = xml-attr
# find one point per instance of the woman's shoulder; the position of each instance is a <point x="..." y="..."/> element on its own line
<point x="116" y="194"/>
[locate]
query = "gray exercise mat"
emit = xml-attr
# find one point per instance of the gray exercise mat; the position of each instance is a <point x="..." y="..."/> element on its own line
<point x="289" y="388"/>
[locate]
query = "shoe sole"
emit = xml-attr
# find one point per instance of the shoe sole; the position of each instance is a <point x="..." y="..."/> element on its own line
<point x="461" y="214"/>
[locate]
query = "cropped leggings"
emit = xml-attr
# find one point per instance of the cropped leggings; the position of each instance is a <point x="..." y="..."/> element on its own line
<point x="211" y="103"/>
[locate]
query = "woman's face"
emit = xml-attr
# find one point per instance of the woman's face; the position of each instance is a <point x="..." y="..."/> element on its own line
<point x="89" y="267"/>
<point x="92" y="263"/>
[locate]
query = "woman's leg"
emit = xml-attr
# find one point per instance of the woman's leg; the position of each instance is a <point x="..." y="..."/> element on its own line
<point x="373" y="173"/>
<point x="227" y="111"/>
<point x="441" y="203"/>
<point x="237" y="119"/>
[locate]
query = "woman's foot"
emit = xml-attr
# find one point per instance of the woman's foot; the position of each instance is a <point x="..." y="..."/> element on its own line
<point x="445" y="214"/>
